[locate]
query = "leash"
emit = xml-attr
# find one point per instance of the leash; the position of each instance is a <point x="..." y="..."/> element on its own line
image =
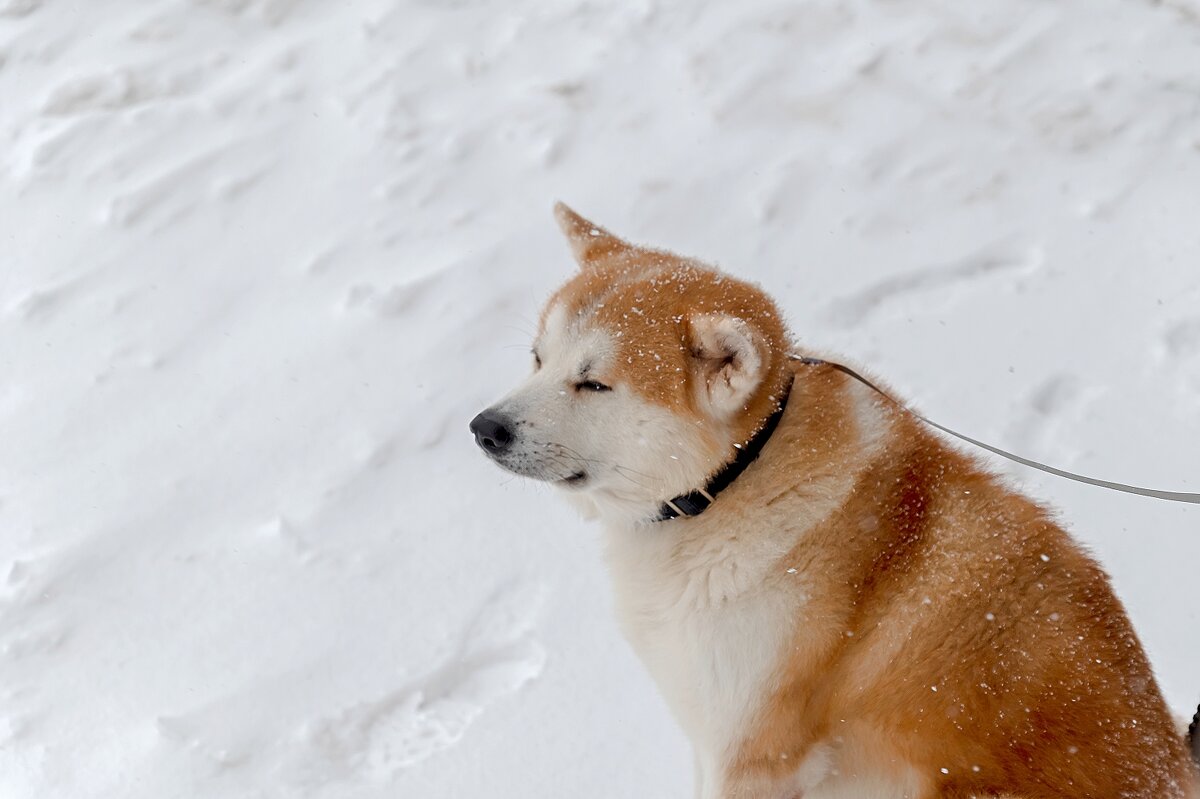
<point x="1170" y="496"/>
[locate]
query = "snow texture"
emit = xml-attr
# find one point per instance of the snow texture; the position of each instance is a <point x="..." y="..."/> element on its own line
<point x="262" y="260"/>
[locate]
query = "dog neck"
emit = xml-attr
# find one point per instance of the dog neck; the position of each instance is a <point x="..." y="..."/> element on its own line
<point x="695" y="502"/>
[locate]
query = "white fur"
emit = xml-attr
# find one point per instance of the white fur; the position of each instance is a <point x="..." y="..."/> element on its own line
<point x="691" y="600"/>
<point x="709" y="639"/>
<point x="635" y="454"/>
<point x="697" y="601"/>
<point x="872" y="415"/>
<point x="873" y="787"/>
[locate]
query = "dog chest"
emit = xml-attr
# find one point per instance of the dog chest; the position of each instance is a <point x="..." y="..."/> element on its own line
<point x="708" y="629"/>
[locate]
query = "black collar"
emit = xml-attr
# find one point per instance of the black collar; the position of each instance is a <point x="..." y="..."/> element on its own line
<point x="696" y="502"/>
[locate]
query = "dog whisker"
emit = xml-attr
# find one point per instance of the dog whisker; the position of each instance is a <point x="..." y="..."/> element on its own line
<point x="574" y="454"/>
<point x="618" y="468"/>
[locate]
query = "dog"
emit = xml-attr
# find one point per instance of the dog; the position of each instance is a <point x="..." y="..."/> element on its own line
<point x="834" y="602"/>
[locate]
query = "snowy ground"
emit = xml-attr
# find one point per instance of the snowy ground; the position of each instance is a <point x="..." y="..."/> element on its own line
<point x="262" y="260"/>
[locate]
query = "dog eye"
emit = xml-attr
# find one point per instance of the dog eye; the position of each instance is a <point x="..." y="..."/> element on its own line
<point x="592" y="385"/>
<point x="537" y="361"/>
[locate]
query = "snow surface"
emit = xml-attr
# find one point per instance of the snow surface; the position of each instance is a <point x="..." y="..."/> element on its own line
<point x="263" y="260"/>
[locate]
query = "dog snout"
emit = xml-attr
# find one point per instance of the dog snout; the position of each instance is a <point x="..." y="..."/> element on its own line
<point x="493" y="431"/>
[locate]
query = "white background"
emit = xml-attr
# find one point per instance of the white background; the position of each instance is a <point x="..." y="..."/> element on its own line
<point x="262" y="260"/>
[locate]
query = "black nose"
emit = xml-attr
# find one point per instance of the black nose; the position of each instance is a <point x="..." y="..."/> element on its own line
<point x="493" y="431"/>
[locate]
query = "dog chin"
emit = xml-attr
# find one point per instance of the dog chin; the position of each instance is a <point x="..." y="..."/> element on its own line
<point x="584" y="503"/>
<point x="533" y="471"/>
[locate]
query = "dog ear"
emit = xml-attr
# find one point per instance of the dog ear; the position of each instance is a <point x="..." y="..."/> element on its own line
<point x="590" y="243"/>
<point x="728" y="359"/>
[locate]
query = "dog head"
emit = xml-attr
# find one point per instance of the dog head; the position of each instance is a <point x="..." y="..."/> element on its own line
<point x="649" y="371"/>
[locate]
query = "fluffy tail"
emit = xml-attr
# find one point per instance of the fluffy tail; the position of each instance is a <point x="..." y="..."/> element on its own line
<point x="1194" y="736"/>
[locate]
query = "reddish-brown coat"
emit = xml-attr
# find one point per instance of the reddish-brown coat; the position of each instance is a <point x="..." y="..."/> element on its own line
<point x="956" y="631"/>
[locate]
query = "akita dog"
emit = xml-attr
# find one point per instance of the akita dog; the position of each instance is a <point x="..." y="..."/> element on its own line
<point x="833" y="600"/>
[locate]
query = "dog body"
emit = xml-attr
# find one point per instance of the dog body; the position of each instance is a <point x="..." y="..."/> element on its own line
<point x="863" y="612"/>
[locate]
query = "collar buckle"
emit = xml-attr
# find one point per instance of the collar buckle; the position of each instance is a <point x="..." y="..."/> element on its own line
<point x="696" y="502"/>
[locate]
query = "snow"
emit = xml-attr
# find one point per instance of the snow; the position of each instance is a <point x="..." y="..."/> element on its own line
<point x="264" y="259"/>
